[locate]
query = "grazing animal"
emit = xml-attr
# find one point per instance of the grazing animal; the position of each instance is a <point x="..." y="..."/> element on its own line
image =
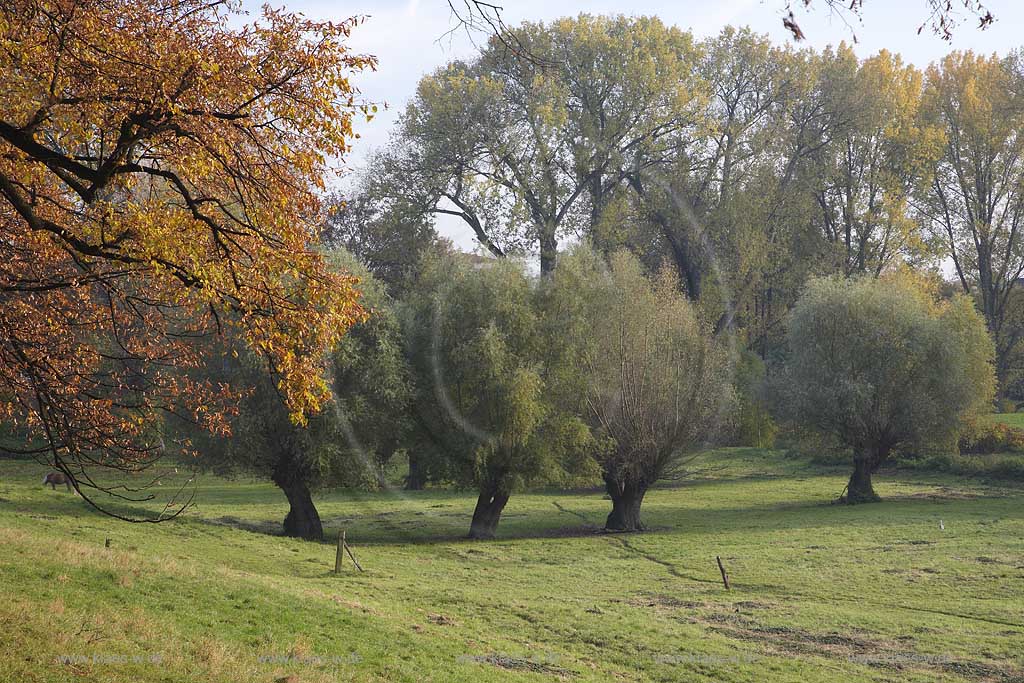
<point x="55" y="478"/>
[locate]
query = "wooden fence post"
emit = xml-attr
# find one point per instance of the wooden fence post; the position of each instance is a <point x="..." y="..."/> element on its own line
<point x="340" y="554"/>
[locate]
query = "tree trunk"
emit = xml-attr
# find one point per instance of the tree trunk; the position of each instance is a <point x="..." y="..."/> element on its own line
<point x="865" y="462"/>
<point x="302" y="520"/>
<point x="685" y="253"/>
<point x="627" y="496"/>
<point x="416" y="479"/>
<point x="597" y="200"/>
<point x="548" y="250"/>
<point x="487" y="514"/>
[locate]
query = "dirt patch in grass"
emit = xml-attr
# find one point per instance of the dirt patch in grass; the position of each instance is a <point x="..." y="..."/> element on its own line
<point x="441" y="620"/>
<point x="913" y="573"/>
<point x="664" y="602"/>
<point x="978" y="671"/>
<point x="539" y="664"/>
<point x="857" y="648"/>
<point x="794" y="641"/>
<point x="893" y="546"/>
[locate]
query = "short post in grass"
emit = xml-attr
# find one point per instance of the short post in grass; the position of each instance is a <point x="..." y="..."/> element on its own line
<point x="340" y="554"/>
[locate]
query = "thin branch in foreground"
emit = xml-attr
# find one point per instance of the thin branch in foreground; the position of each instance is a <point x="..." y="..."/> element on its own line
<point x="478" y="16"/>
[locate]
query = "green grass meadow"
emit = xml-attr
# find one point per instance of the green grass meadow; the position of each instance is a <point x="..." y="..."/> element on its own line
<point x="927" y="585"/>
<point x="1012" y="419"/>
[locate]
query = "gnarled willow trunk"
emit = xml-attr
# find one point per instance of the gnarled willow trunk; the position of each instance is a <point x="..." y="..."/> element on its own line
<point x="866" y="462"/>
<point x="487" y="514"/>
<point x="627" y="495"/>
<point x="302" y="520"/>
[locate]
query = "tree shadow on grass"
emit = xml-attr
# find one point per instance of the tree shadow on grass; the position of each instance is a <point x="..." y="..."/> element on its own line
<point x="566" y="520"/>
<point x="442" y="516"/>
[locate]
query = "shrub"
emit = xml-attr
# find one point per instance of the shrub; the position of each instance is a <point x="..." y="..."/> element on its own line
<point x="1000" y="467"/>
<point x="754" y="426"/>
<point x="981" y="437"/>
<point x="752" y="423"/>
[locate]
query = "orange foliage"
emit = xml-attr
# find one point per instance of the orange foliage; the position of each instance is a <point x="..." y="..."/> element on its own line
<point x="160" y="167"/>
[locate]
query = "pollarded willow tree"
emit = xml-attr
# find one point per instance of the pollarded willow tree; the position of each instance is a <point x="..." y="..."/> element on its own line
<point x="347" y="443"/>
<point x="880" y="363"/>
<point x="159" y="171"/>
<point x="649" y="378"/>
<point x="484" y="413"/>
<point x="298" y="459"/>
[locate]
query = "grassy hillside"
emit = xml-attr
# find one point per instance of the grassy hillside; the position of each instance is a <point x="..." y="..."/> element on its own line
<point x="820" y="592"/>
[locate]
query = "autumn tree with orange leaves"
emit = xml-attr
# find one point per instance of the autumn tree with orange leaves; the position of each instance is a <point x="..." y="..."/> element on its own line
<point x="160" y="167"/>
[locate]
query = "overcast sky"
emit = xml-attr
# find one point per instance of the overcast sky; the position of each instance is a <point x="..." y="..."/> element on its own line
<point x="409" y="38"/>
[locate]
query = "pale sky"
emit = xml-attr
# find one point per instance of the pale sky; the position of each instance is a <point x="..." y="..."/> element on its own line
<point x="408" y="38"/>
